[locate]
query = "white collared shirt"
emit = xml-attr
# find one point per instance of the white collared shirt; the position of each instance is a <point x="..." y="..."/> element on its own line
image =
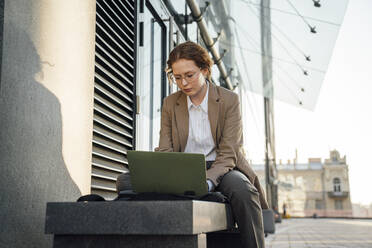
<point x="200" y="139"/>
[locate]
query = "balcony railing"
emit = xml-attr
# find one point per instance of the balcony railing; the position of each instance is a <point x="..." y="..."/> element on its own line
<point x="334" y="194"/>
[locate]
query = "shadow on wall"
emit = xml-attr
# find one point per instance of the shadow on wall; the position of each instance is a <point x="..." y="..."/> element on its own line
<point x="32" y="169"/>
<point x="1" y="33"/>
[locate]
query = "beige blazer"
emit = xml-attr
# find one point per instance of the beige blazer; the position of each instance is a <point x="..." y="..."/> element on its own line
<point x="226" y="126"/>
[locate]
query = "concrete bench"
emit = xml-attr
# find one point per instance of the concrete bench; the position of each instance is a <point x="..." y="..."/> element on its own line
<point x="139" y="224"/>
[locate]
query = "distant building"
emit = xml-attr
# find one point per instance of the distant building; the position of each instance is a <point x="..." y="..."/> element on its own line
<point x="362" y="211"/>
<point x="314" y="187"/>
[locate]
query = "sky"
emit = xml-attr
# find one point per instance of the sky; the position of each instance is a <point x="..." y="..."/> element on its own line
<point x="342" y="118"/>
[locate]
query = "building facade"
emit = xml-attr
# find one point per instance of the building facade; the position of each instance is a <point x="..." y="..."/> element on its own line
<point x="314" y="188"/>
<point x="362" y="210"/>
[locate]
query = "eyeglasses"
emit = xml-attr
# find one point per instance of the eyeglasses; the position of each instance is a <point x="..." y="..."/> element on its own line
<point x="189" y="77"/>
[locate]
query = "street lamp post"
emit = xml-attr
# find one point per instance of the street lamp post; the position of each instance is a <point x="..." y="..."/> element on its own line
<point x="268" y="92"/>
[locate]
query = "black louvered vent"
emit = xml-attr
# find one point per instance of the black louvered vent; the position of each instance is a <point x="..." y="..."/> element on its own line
<point x="114" y="93"/>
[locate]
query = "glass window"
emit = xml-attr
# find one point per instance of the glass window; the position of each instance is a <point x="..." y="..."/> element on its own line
<point x="338" y="204"/>
<point x="152" y="78"/>
<point x="318" y="204"/>
<point x="336" y="184"/>
<point x="309" y="204"/>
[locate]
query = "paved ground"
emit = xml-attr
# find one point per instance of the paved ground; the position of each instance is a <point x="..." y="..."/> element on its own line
<point x="299" y="233"/>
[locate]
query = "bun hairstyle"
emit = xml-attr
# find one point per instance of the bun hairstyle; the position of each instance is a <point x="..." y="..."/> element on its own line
<point x="191" y="51"/>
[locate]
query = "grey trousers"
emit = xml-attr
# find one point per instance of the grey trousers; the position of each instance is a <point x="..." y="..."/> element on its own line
<point x="246" y="208"/>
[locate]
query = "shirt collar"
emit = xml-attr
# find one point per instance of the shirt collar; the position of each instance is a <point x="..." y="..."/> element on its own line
<point x="203" y="105"/>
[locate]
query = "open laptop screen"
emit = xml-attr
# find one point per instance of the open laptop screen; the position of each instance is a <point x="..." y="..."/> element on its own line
<point x="168" y="172"/>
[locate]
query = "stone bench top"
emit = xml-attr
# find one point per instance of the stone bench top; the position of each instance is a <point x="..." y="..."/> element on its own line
<point x="137" y="217"/>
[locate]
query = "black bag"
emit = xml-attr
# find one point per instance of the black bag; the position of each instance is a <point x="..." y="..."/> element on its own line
<point x="90" y="197"/>
<point x="129" y="195"/>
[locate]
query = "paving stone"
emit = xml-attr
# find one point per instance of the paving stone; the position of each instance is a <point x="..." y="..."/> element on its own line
<point x="314" y="233"/>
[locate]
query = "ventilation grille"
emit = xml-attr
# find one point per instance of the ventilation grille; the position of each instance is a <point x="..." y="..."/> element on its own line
<point x="114" y="91"/>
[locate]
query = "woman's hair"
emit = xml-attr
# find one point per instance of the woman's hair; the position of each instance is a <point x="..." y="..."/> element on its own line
<point x="191" y="51"/>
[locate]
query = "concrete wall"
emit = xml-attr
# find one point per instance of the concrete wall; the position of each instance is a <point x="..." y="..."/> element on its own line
<point x="1" y="33"/>
<point x="46" y="109"/>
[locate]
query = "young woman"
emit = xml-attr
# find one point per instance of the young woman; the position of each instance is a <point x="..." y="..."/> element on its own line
<point x="205" y="118"/>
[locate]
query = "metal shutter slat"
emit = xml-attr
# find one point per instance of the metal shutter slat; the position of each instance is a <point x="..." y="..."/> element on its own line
<point x="115" y="79"/>
<point x="102" y="184"/>
<point x="97" y="165"/>
<point x="122" y="49"/>
<point x="124" y="14"/>
<point x="111" y="136"/>
<point x="115" y="165"/>
<point x="113" y="27"/>
<point x="102" y="91"/>
<point x="116" y="34"/>
<point x="114" y="94"/>
<point x="111" y="106"/>
<point x="111" y="116"/>
<point x="109" y="48"/>
<point x="111" y="67"/>
<point x="108" y="157"/>
<point x="127" y="29"/>
<point x="105" y="174"/>
<point x="113" y="129"/>
<point x="102" y="81"/>
<point x="109" y="147"/>
<point x="114" y="60"/>
<point x="106" y="151"/>
<point x="100" y="175"/>
<point x="127" y="7"/>
<point x="106" y="194"/>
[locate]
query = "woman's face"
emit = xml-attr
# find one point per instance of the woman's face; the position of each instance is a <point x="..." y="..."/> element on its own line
<point x="189" y="78"/>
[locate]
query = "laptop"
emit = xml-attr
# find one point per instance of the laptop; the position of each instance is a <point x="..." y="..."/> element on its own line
<point x="168" y="172"/>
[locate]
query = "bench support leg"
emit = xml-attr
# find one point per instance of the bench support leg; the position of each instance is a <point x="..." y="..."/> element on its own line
<point x="130" y="241"/>
<point x="224" y="239"/>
